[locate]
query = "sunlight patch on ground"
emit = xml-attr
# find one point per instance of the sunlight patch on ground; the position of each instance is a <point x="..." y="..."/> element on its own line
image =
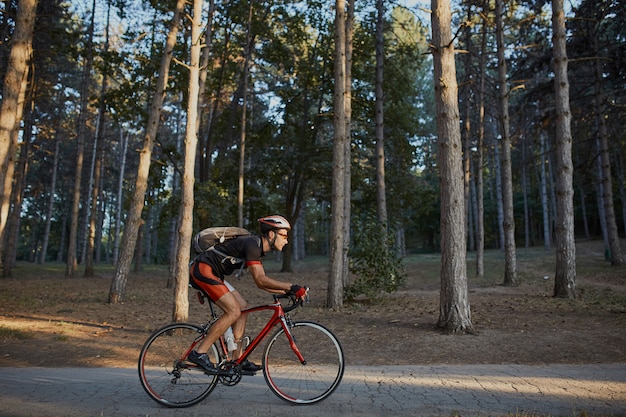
<point x="525" y="385"/>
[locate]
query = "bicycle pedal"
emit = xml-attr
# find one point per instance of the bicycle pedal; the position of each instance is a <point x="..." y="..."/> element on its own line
<point x="248" y="373"/>
<point x="221" y="372"/>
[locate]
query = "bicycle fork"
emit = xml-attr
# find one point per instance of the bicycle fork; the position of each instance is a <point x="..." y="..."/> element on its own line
<point x="287" y="326"/>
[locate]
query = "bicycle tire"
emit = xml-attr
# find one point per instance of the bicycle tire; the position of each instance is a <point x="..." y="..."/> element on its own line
<point x="165" y="376"/>
<point x="307" y="383"/>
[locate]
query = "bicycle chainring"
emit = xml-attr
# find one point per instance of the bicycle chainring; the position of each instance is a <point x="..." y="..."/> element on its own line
<point x="235" y="374"/>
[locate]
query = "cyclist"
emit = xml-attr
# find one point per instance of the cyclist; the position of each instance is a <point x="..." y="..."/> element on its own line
<point x="207" y="273"/>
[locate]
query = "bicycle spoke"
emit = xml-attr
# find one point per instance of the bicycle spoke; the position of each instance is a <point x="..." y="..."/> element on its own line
<point x="312" y="381"/>
<point x="167" y="379"/>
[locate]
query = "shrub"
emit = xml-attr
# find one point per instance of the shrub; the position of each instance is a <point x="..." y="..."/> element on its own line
<point x="374" y="261"/>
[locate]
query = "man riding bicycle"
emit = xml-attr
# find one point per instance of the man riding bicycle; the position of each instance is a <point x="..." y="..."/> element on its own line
<point x="207" y="272"/>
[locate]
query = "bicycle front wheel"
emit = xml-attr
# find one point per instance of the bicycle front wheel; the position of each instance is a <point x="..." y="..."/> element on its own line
<point x="164" y="372"/>
<point x="308" y="382"/>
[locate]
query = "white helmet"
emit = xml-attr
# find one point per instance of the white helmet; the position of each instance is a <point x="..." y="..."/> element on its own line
<point x="268" y="223"/>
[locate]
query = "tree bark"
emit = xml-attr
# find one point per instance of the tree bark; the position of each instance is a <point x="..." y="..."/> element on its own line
<point x="51" y="193"/>
<point x="347" y="207"/>
<point x="565" y="278"/>
<point x="510" y="260"/>
<point x="17" y="196"/>
<point x="181" y="300"/>
<point x="480" y="204"/>
<point x="547" y="241"/>
<point x="606" y="178"/>
<point x="133" y="221"/>
<point x="454" y="308"/>
<point x="381" y="197"/>
<point x="12" y="106"/>
<point x="98" y="155"/>
<point x="203" y="124"/>
<point x="71" y="261"/>
<point x="120" y="196"/>
<point x="244" y="108"/>
<point x="338" y="198"/>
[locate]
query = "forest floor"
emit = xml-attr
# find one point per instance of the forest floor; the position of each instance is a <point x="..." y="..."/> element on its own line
<point x="48" y="320"/>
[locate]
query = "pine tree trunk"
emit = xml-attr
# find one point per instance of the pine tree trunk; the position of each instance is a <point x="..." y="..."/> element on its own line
<point x="547" y="241"/>
<point x="71" y="261"/>
<point x="615" y="252"/>
<point x="619" y="166"/>
<point x="510" y="260"/>
<point x="51" y="193"/>
<point x="565" y="278"/>
<point x="120" y="197"/>
<point x="17" y="197"/>
<point x="12" y="105"/>
<point x="97" y="159"/>
<point x="612" y="234"/>
<point x="381" y="198"/>
<point x="454" y="309"/>
<point x="203" y="122"/>
<point x="181" y="300"/>
<point x="466" y="134"/>
<point x="497" y="164"/>
<point x="117" y="291"/>
<point x="244" y="108"/>
<point x="347" y="207"/>
<point x="525" y="192"/>
<point x="480" y="206"/>
<point x="338" y="198"/>
<point x="600" y="199"/>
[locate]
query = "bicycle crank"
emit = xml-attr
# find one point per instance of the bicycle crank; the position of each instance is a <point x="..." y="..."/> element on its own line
<point x="234" y="374"/>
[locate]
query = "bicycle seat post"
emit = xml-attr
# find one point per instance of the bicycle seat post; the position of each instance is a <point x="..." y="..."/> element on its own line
<point x="203" y="296"/>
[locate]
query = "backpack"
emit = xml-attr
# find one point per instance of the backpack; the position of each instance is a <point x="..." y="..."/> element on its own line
<point x="206" y="239"/>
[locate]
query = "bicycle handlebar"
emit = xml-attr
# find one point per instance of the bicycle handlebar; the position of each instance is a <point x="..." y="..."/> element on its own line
<point x="295" y="302"/>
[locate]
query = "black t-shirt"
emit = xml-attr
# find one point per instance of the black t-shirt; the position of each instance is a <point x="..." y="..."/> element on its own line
<point x="247" y="248"/>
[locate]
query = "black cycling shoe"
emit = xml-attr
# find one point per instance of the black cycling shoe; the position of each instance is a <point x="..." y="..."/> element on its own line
<point x="202" y="360"/>
<point x="248" y="366"/>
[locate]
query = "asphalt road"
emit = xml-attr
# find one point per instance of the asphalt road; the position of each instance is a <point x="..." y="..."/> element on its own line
<point x="466" y="390"/>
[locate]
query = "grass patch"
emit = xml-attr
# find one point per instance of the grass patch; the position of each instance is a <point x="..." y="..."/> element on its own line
<point x="605" y="298"/>
<point x="8" y="333"/>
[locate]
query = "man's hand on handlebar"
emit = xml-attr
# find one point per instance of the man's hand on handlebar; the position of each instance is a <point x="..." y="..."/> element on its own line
<point x="299" y="292"/>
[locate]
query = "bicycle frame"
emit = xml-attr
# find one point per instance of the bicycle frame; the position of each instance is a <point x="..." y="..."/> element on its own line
<point x="278" y="316"/>
<point x="172" y="380"/>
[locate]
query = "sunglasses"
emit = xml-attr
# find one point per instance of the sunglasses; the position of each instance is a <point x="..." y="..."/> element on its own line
<point x="284" y="236"/>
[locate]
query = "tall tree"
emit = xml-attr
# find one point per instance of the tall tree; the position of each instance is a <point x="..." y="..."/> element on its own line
<point x="606" y="177"/>
<point x="338" y="250"/>
<point x="544" y="154"/>
<point x="454" y="308"/>
<point x="480" y="206"/>
<point x="244" y="107"/>
<point x="83" y="129"/>
<point x="98" y="156"/>
<point x="17" y="197"/>
<point x="51" y="193"/>
<point x="510" y="260"/>
<point x="12" y="106"/>
<point x="347" y="206"/>
<point x="381" y="198"/>
<point x="133" y="222"/>
<point x="181" y="300"/>
<point x="565" y="279"/>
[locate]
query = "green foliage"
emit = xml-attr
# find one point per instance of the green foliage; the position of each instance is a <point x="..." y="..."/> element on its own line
<point x="373" y="259"/>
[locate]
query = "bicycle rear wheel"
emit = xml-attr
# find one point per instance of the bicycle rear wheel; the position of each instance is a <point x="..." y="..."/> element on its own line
<point x="165" y="374"/>
<point x="307" y="383"/>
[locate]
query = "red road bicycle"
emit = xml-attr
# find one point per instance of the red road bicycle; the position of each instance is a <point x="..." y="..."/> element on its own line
<point x="303" y="361"/>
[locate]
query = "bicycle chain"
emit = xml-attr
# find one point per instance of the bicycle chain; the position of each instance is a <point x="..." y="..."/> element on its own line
<point x="232" y="379"/>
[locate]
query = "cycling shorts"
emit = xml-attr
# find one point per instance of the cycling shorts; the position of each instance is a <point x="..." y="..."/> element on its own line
<point x="202" y="277"/>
